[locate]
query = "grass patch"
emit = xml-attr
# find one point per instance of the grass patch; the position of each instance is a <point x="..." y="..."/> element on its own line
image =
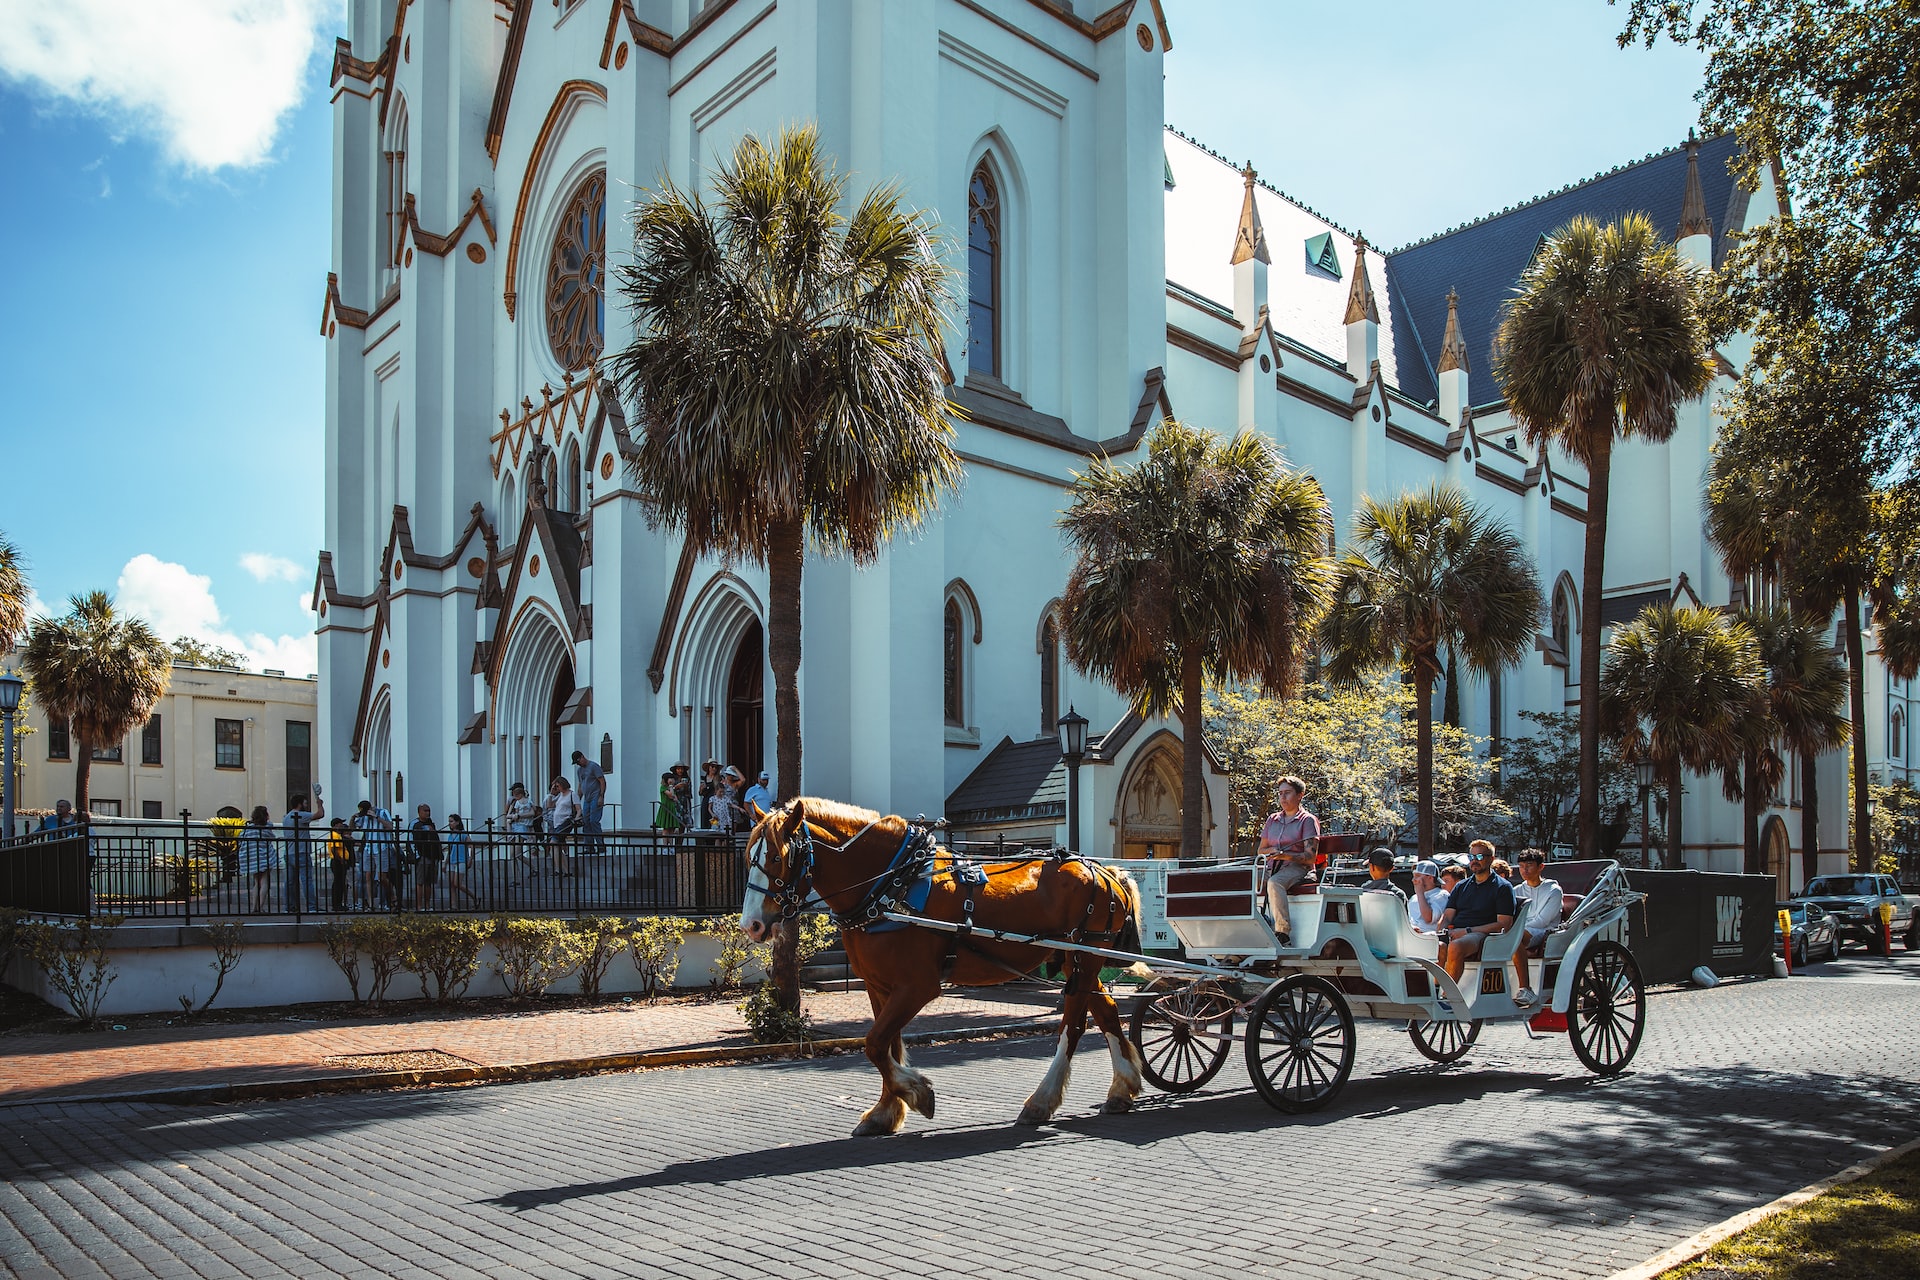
<point x="1866" y="1230"/>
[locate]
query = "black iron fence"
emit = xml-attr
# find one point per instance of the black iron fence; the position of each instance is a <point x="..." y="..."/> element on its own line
<point x="191" y="870"/>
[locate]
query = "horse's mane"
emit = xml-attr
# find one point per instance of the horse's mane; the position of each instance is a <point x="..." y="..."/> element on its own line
<point x="834" y="810"/>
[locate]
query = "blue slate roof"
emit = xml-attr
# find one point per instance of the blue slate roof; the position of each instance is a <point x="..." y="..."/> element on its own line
<point x="1483" y="260"/>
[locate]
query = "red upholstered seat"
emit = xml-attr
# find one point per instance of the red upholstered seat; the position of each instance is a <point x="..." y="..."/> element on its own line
<point x="1304" y="887"/>
<point x="1568" y="901"/>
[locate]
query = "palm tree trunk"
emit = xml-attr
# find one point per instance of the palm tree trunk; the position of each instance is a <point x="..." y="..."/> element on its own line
<point x="1592" y="583"/>
<point x="1857" y="710"/>
<point x="1423" y="755"/>
<point x="82" y="777"/>
<point x="786" y="557"/>
<point x="1675" y="845"/>
<point x="1750" y="811"/>
<point x="1809" y="816"/>
<point x="1192" y="757"/>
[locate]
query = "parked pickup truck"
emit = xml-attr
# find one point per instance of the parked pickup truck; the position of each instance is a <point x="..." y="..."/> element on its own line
<point x="1854" y="901"/>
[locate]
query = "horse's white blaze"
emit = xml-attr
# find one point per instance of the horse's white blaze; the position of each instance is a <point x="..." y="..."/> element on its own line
<point x="754" y="863"/>
<point x="1053" y="1085"/>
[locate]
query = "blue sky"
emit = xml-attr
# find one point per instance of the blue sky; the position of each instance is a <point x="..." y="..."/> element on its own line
<point x="164" y="242"/>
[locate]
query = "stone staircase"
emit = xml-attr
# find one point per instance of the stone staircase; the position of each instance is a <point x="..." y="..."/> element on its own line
<point x="827" y="971"/>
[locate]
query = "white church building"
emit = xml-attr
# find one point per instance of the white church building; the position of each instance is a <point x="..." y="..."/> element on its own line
<point x="491" y="595"/>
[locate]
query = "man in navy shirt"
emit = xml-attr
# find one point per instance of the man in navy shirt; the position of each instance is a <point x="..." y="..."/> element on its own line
<point x="1481" y="907"/>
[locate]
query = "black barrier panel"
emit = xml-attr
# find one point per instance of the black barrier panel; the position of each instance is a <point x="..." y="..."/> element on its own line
<point x="1694" y="918"/>
<point x="1736" y="921"/>
<point x="46" y="875"/>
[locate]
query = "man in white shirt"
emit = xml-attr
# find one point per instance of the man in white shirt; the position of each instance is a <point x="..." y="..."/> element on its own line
<point x="1540" y="902"/>
<point x="1429" y="901"/>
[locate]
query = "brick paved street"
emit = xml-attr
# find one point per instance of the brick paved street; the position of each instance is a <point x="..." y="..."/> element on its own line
<point x="1512" y="1164"/>
<point x="85" y="1064"/>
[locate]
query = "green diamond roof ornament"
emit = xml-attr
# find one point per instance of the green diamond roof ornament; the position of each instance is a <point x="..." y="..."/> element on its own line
<point x="1321" y="255"/>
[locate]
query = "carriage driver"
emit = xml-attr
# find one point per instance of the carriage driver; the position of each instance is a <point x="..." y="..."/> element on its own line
<point x="1481" y="907"/>
<point x="1289" y="841"/>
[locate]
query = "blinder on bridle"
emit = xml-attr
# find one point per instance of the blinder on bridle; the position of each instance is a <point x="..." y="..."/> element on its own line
<point x="792" y="890"/>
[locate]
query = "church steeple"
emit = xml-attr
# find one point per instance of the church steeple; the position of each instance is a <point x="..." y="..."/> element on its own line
<point x="1360" y="303"/>
<point x="1453" y="365"/>
<point x="1249" y="241"/>
<point x="1453" y="348"/>
<point x="1693" y="209"/>
<point x="1363" y="319"/>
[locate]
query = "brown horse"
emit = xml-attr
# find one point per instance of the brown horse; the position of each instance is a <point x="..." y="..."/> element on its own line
<point x="860" y="863"/>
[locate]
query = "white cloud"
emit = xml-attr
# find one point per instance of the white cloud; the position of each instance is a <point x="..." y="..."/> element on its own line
<point x="266" y="568"/>
<point x="211" y="80"/>
<point x="179" y="602"/>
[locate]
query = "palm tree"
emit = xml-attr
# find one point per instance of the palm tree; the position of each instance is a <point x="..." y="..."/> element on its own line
<point x="99" y="670"/>
<point x="1206" y="560"/>
<point x="1806" y="697"/>
<point x="13" y="595"/>
<point x="1685" y="689"/>
<point x="1605" y="339"/>
<point x="1822" y="547"/>
<point x="1428" y="577"/>
<point x="788" y="370"/>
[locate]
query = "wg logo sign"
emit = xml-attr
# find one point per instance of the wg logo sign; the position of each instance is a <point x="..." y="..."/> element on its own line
<point x="1727" y="920"/>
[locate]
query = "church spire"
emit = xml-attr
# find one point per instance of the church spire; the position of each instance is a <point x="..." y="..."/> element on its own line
<point x="1693" y="210"/>
<point x="1249" y="241"/>
<point x="1360" y="303"/>
<point x="1453" y="348"/>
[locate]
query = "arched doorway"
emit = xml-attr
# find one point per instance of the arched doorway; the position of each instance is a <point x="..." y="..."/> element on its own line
<point x="1149" y="806"/>
<point x="562" y="690"/>
<point x="1776" y="857"/>
<point x="746" y="704"/>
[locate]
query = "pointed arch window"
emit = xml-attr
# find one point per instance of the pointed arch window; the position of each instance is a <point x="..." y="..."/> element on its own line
<point x="983" y="272"/>
<point x="953" y="665"/>
<point x="1897" y="737"/>
<point x="576" y="269"/>
<point x="570" y="494"/>
<point x="1049" y="676"/>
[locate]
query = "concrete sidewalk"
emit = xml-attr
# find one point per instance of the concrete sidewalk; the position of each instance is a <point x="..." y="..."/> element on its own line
<point x="46" y="1066"/>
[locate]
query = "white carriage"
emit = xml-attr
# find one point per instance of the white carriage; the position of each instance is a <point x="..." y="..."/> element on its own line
<point x="1354" y="953"/>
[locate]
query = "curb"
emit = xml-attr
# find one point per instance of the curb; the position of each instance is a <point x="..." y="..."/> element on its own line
<point x="370" y="1081"/>
<point x="1693" y="1246"/>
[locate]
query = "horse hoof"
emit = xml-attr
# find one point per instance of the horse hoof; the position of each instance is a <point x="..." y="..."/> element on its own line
<point x="1119" y="1106"/>
<point x="1032" y="1116"/>
<point x="923" y="1103"/>
<point x="871" y="1128"/>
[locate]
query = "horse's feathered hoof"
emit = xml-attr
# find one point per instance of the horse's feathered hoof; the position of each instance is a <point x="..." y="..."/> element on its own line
<point x="1034" y="1114"/>
<point x="1119" y="1106"/>
<point x="923" y="1103"/>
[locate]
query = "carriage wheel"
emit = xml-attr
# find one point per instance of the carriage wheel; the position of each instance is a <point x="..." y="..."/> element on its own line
<point x="1300" y="1043"/>
<point x="1182" y="1035"/>
<point x="1444" y="1041"/>
<point x="1608" y="1011"/>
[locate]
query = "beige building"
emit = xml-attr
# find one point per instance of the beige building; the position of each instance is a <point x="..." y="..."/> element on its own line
<point x="218" y="739"/>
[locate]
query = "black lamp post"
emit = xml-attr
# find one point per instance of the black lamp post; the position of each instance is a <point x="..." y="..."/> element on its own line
<point x="10" y="687"/>
<point x="1645" y="770"/>
<point x="1073" y="749"/>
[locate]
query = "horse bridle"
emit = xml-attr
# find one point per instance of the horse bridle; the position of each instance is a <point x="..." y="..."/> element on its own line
<point x="792" y="891"/>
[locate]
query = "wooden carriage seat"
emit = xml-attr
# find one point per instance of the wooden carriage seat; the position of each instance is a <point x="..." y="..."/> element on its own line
<point x="1383" y="921"/>
<point x="1344" y="843"/>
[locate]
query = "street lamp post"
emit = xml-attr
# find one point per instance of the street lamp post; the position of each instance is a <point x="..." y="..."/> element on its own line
<point x="1073" y="749"/>
<point x="1645" y="771"/>
<point x="10" y="687"/>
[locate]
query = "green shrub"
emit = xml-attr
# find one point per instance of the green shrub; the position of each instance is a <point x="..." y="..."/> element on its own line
<point x="599" y="939"/>
<point x="737" y="951"/>
<point x="342" y="939"/>
<point x="534" y="954"/>
<point x="221" y="847"/>
<point x="445" y="949"/>
<point x="655" y="947"/>
<point x="74" y="958"/>
<point x="769" y="1023"/>
<point x="818" y="933"/>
